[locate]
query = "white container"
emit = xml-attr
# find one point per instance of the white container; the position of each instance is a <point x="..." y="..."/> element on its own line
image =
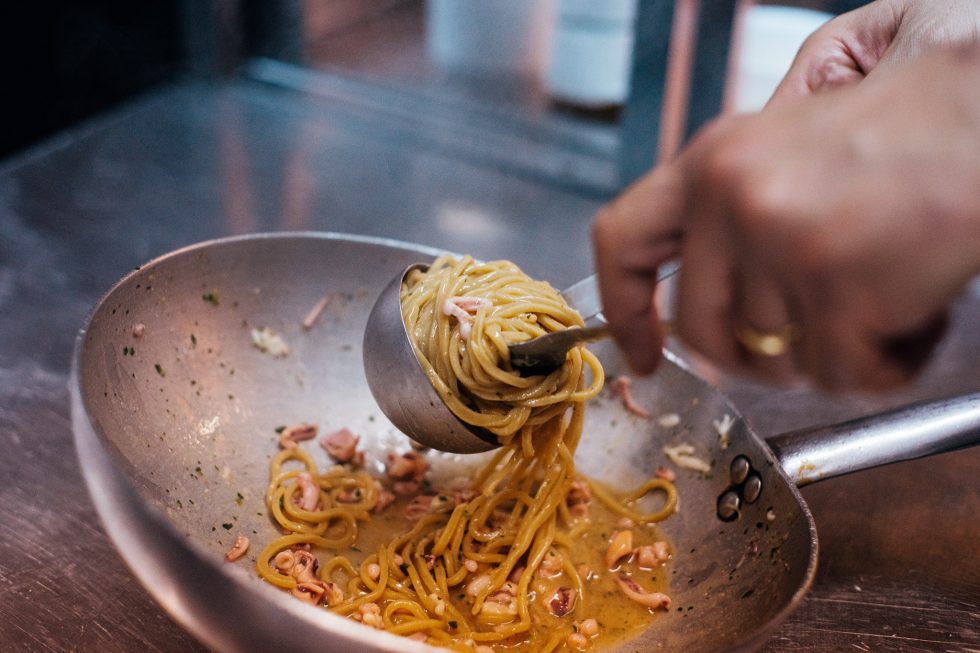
<point x="592" y="52"/>
<point x="770" y="39"/>
<point x="490" y="36"/>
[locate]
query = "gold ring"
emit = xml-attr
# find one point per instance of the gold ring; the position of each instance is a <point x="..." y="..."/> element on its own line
<point x="767" y="343"/>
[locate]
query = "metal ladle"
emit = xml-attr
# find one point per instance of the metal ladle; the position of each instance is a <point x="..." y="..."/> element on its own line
<point x="408" y="398"/>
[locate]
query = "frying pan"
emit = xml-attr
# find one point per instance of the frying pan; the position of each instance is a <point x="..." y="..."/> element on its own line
<point x="174" y="413"/>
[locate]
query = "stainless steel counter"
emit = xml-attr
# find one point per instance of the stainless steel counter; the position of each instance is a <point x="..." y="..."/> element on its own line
<point x="900" y="546"/>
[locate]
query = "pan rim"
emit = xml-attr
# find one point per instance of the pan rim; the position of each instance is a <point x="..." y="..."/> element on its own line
<point x="91" y="443"/>
<point x="88" y="434"/>
<point x="760" y="635"/>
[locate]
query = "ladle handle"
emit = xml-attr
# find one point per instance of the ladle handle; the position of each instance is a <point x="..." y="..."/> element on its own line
<point x="813" y="454"/>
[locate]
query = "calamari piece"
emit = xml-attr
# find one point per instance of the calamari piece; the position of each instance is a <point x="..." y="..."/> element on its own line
<point x="633" y="591"/>
<point x="309" y="491"/>
<point x="550" y="566"/>
<point x="237" y="549"/>
<point x="652" y="555"/>
<point x="291" y="436"/>
<point x="410" y="466"/>
<point x="309" y="592"/>
<point x="462" y="308"/>
<point x="623" y="387"/>
<point x="665" y="473"/>
<point x="578" y="499"/>
<point x="562" y="601"/>
<point x="370" y="615"/>
<point x="620" y="546"/>
<point x="310" y="320"/>
<point x="341" y="445"/>
<point x="385" y="497"/>
<point x="477" y="585"/>
<point x="418" y="507"/>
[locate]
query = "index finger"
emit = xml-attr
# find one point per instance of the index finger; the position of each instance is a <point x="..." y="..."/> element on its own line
<point x="633" y="236"/>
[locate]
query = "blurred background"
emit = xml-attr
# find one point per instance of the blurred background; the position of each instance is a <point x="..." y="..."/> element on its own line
<point x="492" y="127"/>
<point x="569" y="90"/>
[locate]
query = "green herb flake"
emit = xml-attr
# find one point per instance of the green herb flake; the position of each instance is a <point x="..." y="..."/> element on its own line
<point x="280" y="429"/>
<point x="239" y="498"/>
<point x="453" y="624"/>
<point x="212" y="297"/>
<point x="193" y="340"/>
<point x="159" y="369"/>
<point x="227" y="526"/>
<point x="404" y="568"/>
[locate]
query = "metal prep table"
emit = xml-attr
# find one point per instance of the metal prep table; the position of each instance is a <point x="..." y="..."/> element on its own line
<point x="900" y="546"/>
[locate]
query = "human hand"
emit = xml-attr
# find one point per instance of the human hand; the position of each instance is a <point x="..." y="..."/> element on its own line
<point x="877" y="37"/>
<point x="854" y="214"/>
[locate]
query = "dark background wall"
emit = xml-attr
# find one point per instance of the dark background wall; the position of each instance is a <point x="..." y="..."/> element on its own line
<point x="64" y="61"/>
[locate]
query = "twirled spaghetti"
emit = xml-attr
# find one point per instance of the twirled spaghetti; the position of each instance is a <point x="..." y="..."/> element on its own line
<point x="519" y="556"/>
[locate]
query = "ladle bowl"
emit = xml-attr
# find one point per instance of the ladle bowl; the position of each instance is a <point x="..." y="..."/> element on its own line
<point x="400" y="386"/>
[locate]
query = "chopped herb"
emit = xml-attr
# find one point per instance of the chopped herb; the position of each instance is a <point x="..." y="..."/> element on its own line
<point x="354" y="548"/>
<point x="159" y="369"/>
<point x="453" y="624"/>
<point x="193" y="340"/>
<point x="280" y="429"/>
<point x="212" y="297"/>
<point x="197" y="470"/>
<point x="239" y="498"/>
<point x="404" y="568"/>
<point x="227" y="526"/>
<point x="443" y="497"/>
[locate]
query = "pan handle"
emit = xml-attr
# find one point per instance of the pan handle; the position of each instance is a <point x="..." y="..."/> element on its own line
<point x="813" y="454"/>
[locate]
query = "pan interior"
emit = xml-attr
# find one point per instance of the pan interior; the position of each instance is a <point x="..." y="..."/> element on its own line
<point x="189" y="408"/>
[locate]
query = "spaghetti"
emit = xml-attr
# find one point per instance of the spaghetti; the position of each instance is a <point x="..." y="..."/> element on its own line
<point x="519" y="556"/>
